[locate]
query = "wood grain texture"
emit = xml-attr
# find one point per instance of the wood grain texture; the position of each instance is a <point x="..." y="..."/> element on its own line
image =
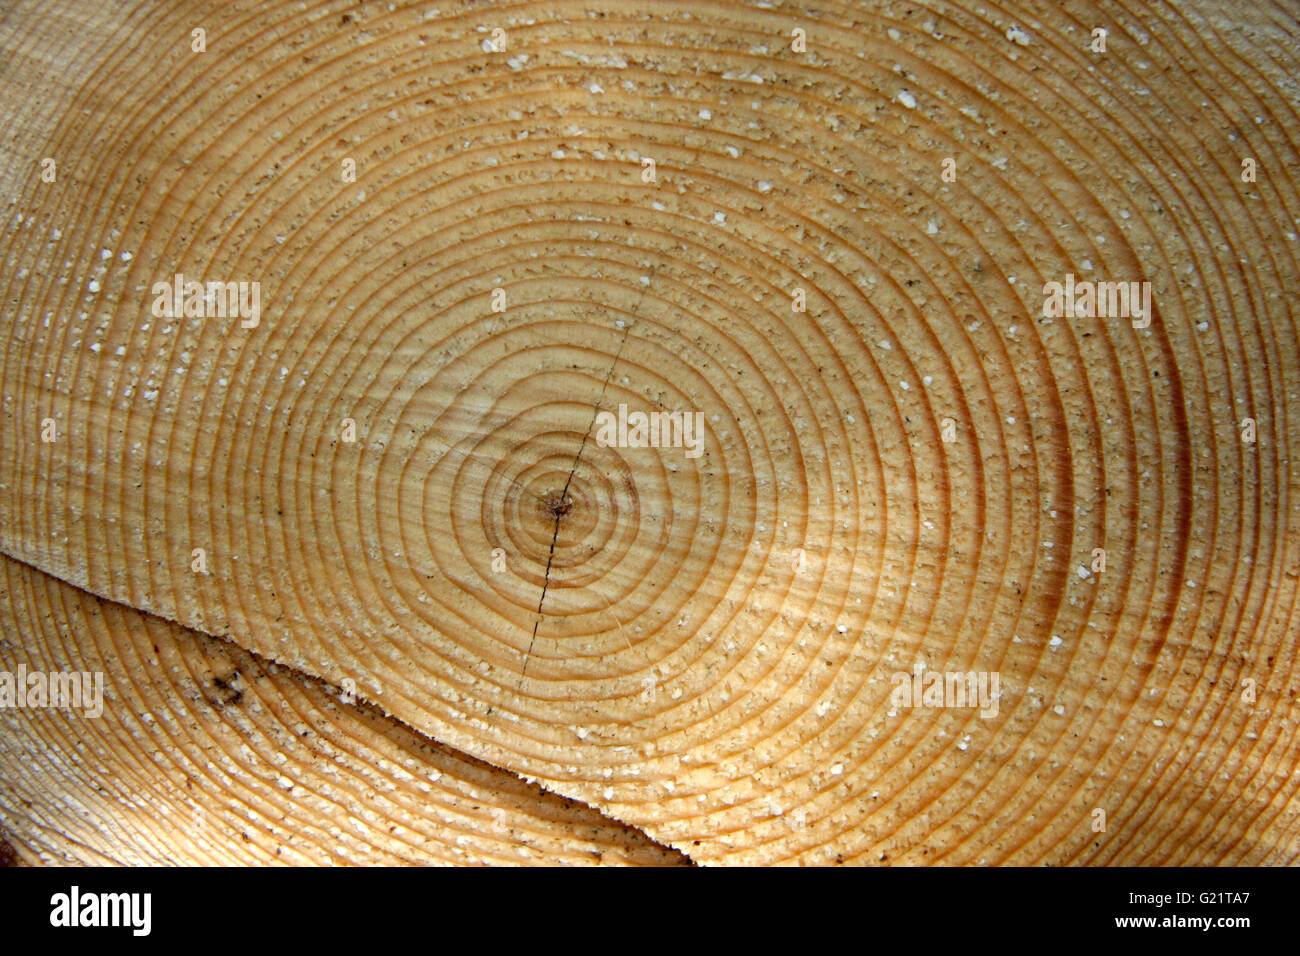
<point x="701" y="647"/>
<point x="207" y="755"/>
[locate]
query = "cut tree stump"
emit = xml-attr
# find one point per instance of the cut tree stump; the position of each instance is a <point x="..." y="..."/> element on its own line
<point x="479" y="234"/>
<point x="204" y="754"/>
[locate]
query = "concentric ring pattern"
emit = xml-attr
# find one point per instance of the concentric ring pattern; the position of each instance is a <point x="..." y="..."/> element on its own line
<point x="904" y="464"/>
<point x="233" y="762"/>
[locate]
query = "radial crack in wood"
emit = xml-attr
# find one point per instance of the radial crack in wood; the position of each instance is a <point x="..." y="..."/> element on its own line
<point x="840" y="257"/>
<point x="202" y="753"/>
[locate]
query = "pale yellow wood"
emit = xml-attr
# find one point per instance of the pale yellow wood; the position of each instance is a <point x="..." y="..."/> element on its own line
<point x="202" y="754"/>
<point x="702" y="647"/>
